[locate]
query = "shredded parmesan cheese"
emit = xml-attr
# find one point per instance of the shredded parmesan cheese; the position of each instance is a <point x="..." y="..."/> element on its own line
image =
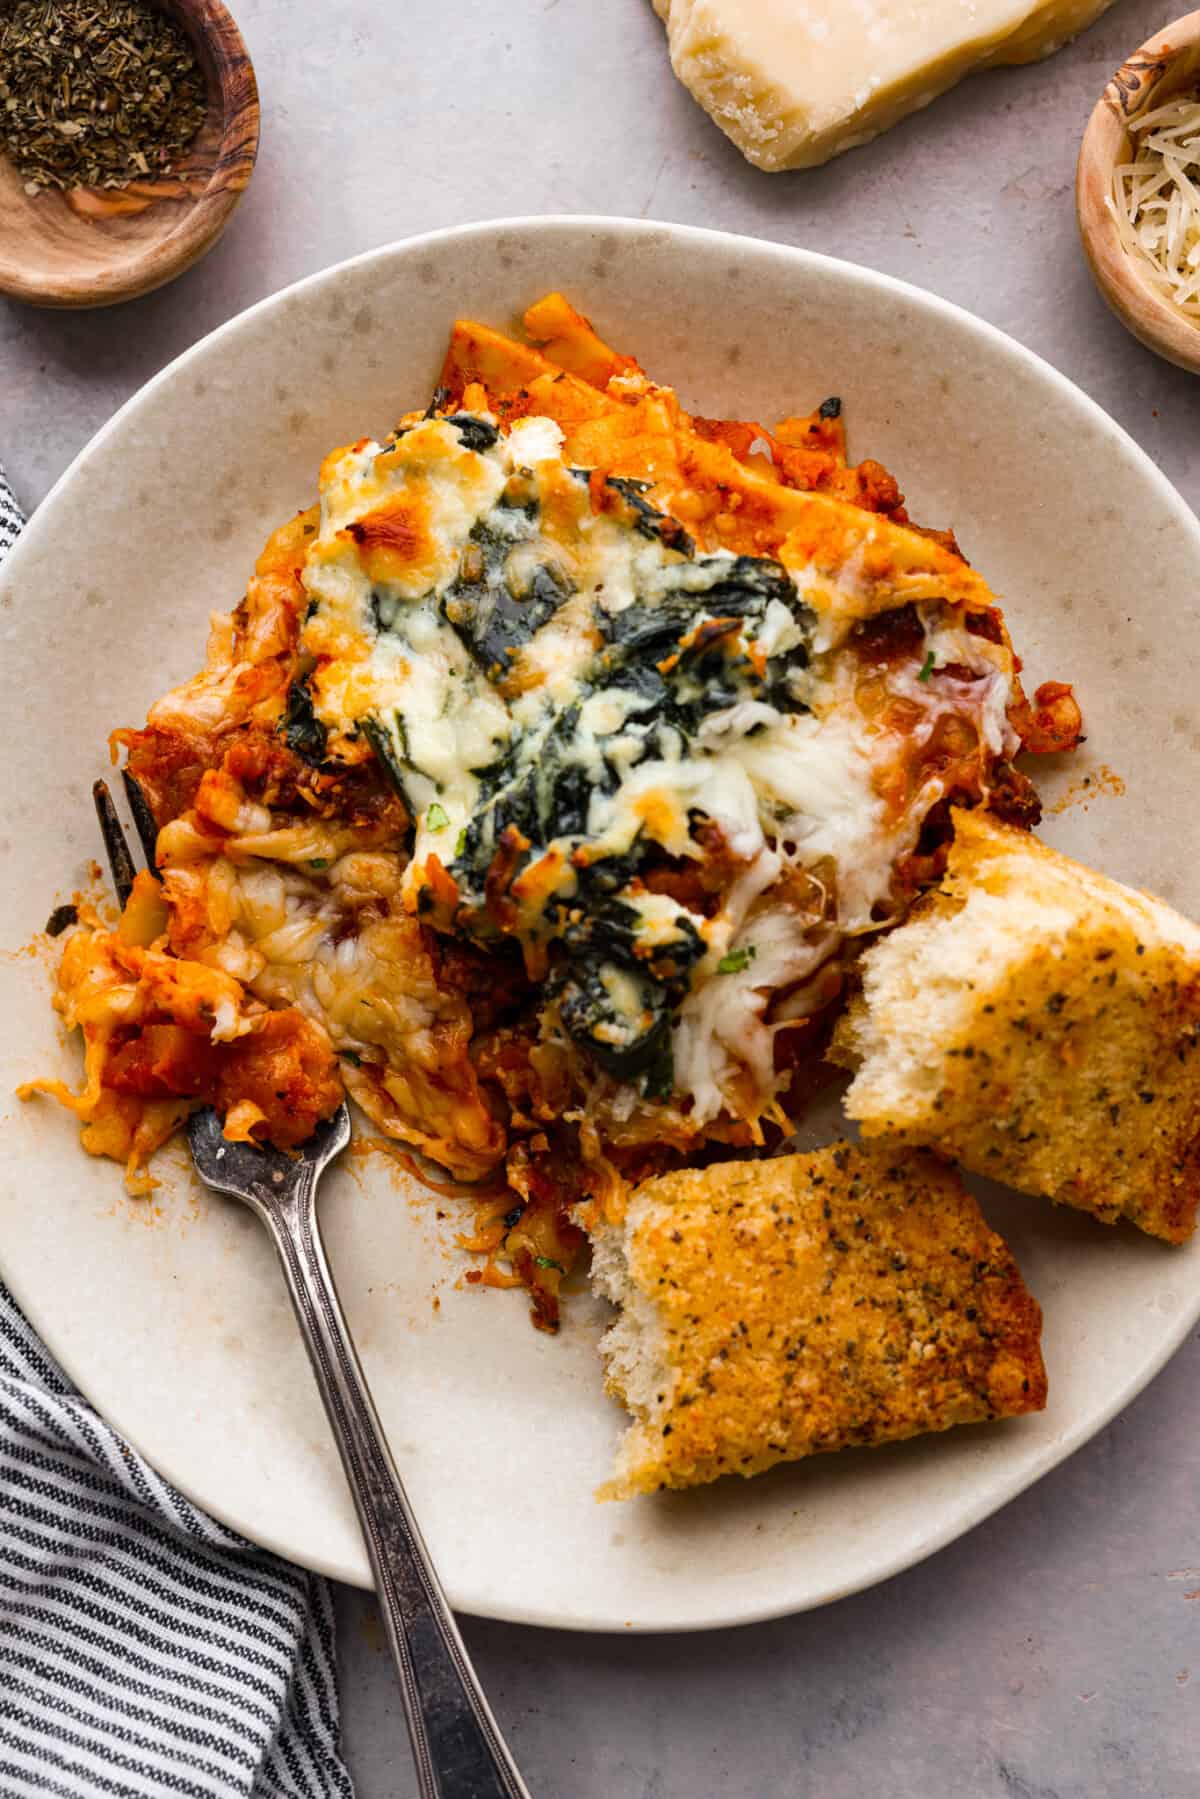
<point x="1155" y="200"/>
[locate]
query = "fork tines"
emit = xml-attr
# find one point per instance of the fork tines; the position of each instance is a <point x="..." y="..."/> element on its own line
<point x="116" y="845"/>
<point x="143" y="819"/>
<point x="121" y="864"/>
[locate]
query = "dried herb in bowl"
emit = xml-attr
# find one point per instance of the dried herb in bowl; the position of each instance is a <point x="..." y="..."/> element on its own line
<point x="95" y="93"/>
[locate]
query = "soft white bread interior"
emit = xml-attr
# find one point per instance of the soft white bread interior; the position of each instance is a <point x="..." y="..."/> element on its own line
<point x="1040" y="1024"/>
<point x="773" y="1309"/>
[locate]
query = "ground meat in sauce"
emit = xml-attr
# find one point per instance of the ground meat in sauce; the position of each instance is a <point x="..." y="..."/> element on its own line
<point x="891" y="636"/>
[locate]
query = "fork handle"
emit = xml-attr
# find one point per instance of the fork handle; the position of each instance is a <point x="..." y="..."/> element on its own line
<point x="457" y="1746"/>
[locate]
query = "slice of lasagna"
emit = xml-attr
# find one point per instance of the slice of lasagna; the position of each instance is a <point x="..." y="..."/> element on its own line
<point x="556" y="760"/>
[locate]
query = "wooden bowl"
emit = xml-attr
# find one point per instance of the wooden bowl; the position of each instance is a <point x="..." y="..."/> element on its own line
<point x="50" y="255"/>
<point x="1163" y="67"/>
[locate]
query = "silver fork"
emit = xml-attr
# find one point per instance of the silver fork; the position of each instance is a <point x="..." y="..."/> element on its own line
<point x="457" y="1746"/>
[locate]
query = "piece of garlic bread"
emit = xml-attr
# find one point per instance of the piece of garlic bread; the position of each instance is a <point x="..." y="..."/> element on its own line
<point x="770" y="1310"/>
<point x="1040" y="1024"/>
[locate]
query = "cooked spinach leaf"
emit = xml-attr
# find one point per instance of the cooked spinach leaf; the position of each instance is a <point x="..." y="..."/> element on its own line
<point x="506" y="587"/>
<point x="646" y="519"/>
<point x="302" y="730"/>
<point x="543" y="796"/>
<point x="476" y="433"/>
<point x="619" y="1014"/>
<point x="391" y="749"/>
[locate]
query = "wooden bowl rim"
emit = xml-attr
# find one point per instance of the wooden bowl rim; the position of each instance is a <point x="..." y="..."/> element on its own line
<point x="1128" y="292"/>
<point x="199" y="227"/>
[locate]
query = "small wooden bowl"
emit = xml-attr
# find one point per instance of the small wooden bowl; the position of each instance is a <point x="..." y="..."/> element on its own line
<point x="51" y="256"/>
<point x="1168" y="64"/>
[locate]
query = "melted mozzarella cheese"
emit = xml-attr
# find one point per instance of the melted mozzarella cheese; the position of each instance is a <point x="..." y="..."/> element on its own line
<point x="409" y="528"/>
<point x="383" y="650"/>
<point x="816" y="776"/>
<point x="984" y="697"/>
<point x="721" y="1029"/>
<point x="656" y="798"/>
<point x="552" y="665"/>
<point x="534" y="440"/>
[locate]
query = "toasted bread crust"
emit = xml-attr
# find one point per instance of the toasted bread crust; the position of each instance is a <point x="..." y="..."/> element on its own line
<point x="851" y="1296"/>
<point x="1070" y="1064"/>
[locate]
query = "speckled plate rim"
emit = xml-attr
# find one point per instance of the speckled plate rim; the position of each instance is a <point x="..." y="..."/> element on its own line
<point x="972" y="1508"/>
<point x="620" y="226"/>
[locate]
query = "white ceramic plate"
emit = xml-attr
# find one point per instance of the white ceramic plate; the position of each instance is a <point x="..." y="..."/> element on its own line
<point x="170" y="1314"/>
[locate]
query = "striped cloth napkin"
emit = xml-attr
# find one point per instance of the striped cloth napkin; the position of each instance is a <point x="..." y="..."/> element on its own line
<point x="144" y="1649"/>
<point x="10" y="516"/>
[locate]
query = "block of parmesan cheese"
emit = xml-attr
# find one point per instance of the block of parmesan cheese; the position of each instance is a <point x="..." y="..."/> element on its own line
<point x="794" y="82"/>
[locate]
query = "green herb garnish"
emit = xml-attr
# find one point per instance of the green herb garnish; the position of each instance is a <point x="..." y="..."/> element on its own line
<point x="926" y="666"/>
<point x="548" y="1262"/>
<point x="96" y="93"/>
<point x="437" y="818"/>
<point x="736" y="960"/>
<point x="319" y="862"/>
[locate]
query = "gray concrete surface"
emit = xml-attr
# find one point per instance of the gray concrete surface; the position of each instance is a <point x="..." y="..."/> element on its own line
<point x="1055" y="1652"/>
